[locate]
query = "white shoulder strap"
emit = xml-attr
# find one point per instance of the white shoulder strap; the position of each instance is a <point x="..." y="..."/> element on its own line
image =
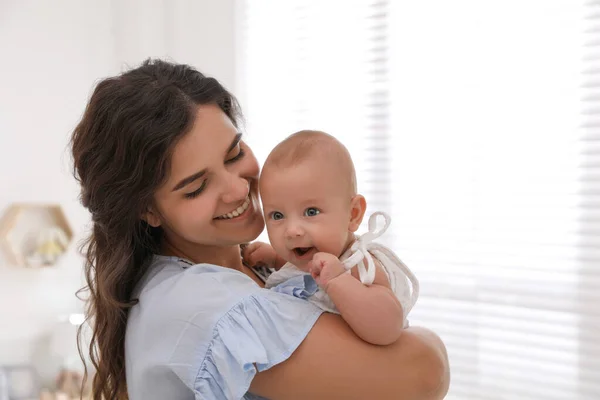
<point x="360" y="249"/>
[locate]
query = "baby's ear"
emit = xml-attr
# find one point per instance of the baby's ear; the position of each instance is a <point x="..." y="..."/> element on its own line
<point x="358" y="206"/>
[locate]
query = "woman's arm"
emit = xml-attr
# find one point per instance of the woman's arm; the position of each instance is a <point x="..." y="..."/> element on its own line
<point x="333" y="363"/>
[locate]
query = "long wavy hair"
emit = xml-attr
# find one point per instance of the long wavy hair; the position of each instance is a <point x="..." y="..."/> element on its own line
<point x="122" y="150"/>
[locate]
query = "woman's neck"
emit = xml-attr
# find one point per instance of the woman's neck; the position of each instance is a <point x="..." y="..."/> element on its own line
<point x="224" y="256"/>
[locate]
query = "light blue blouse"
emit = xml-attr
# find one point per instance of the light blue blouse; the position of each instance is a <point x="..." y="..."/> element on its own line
<point x="198" y="332"/>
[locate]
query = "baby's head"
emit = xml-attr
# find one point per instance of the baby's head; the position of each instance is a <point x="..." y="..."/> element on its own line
<point x="308" y="191"/>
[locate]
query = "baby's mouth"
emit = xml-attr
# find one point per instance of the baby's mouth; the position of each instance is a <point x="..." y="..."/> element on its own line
<point x="302" y="251"/>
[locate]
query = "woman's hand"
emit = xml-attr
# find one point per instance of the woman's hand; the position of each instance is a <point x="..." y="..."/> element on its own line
<point x="333" y="363"/>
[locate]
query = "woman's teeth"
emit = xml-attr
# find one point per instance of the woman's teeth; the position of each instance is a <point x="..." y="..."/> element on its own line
<point x="237" y="212"/>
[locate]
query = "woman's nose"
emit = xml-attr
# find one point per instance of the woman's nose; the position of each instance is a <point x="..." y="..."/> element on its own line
<point x="236" y="189"/>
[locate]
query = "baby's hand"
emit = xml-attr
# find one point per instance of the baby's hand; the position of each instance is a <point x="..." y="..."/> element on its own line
<point x="324" y="267"/>
<point x="259" y="253"/>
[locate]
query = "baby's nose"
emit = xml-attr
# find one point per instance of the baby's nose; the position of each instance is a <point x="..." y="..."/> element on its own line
<point x="294" y="230"/>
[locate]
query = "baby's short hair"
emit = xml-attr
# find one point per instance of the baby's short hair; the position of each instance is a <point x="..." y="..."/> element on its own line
<point x="310" y="144"/>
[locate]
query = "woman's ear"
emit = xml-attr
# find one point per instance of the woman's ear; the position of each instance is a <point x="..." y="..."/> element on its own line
<point x="358" y="206"/>
<point x="151" y="217"/>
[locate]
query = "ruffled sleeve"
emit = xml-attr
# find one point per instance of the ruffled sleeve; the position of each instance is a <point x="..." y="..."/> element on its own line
<point x="300" y="286"/>
<point x="198" y="331"/>
<point x="262" y="330"/>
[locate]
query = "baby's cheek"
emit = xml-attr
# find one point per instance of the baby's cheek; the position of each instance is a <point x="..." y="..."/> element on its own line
<point x="339" y="243"/>
<point x="275" y="238"/>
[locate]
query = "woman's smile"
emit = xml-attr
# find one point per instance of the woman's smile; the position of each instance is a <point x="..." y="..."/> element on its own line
<point x="237" y="213"/>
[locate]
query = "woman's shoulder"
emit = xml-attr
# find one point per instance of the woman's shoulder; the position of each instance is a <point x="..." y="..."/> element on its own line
<point x="209" y="327"/>
<point x="175" y="295"/>
<point x="173" y="281"/>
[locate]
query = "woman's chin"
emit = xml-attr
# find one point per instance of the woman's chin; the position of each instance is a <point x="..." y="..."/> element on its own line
<point x="256" y="228"/>
<point x="252" y="230"/>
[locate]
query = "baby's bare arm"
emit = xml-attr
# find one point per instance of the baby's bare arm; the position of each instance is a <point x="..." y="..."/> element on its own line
<point x="373" y="312"/>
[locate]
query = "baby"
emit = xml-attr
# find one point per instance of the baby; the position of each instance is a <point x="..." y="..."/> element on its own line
<point x="312" y="211"/>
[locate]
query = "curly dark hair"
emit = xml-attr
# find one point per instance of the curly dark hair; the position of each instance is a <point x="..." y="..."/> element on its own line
<point x="122" y="150"/>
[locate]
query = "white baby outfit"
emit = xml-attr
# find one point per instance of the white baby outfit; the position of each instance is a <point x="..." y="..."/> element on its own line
<point x="291" y="280"/>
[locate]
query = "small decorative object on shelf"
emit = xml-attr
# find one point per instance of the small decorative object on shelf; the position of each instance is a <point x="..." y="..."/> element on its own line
<point x="51" y="244"/>
<point x="35" y="235"/>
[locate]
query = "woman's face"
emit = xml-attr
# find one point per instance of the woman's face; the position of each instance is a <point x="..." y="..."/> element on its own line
<point x="211" y="195"/>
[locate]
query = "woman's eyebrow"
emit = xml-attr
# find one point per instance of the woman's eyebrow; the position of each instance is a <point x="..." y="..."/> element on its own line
<point x="186" y="181"/>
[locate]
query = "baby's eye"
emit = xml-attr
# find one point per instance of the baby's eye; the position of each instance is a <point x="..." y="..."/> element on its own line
<point x="276" y="215"/>
<point x="311" y="212"/>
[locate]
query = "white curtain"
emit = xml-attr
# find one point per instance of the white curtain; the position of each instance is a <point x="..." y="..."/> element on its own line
<point x="475" y="124"/>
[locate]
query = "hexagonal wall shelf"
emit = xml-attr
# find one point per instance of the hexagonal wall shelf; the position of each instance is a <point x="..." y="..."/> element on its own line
<point x="35" y="235"/>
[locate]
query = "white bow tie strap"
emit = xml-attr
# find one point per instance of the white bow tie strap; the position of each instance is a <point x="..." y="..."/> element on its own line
<point x="360" y="249"/>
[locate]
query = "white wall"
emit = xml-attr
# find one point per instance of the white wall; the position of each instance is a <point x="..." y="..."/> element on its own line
<point x="52" y="53"/>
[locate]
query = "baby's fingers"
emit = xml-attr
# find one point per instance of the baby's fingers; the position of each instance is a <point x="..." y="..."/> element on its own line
<point x="250" y="248"/>
<point x="249" y="251"/>
<point x="314" y="269"/>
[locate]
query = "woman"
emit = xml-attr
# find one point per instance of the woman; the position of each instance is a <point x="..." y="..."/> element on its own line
<point x="172" y="190"/>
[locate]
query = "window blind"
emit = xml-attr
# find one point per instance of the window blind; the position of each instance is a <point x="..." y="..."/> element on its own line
<point x="496" y="220"/>
<point x="475" y="124"/>
<point x="323" y="66"/>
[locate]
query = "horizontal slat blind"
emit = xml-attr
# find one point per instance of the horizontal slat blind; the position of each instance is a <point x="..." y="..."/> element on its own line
<point x="320" y="65"/>
<point x="589" y="217"/>
<point x="498" y="209"/>
<point x="477" y="126"/>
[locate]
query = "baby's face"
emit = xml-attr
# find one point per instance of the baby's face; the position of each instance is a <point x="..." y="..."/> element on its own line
<point x="307" y="210"/>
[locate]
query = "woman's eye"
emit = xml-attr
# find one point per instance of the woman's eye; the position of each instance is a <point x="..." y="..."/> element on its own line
<point x="311" y="212"/>
<point x="276" y="215"/>
<point x="196" y="192"/>
<point x="240" y="153"/>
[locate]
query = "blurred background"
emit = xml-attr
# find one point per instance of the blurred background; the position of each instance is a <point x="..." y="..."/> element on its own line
<point x="475" y="124"/>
